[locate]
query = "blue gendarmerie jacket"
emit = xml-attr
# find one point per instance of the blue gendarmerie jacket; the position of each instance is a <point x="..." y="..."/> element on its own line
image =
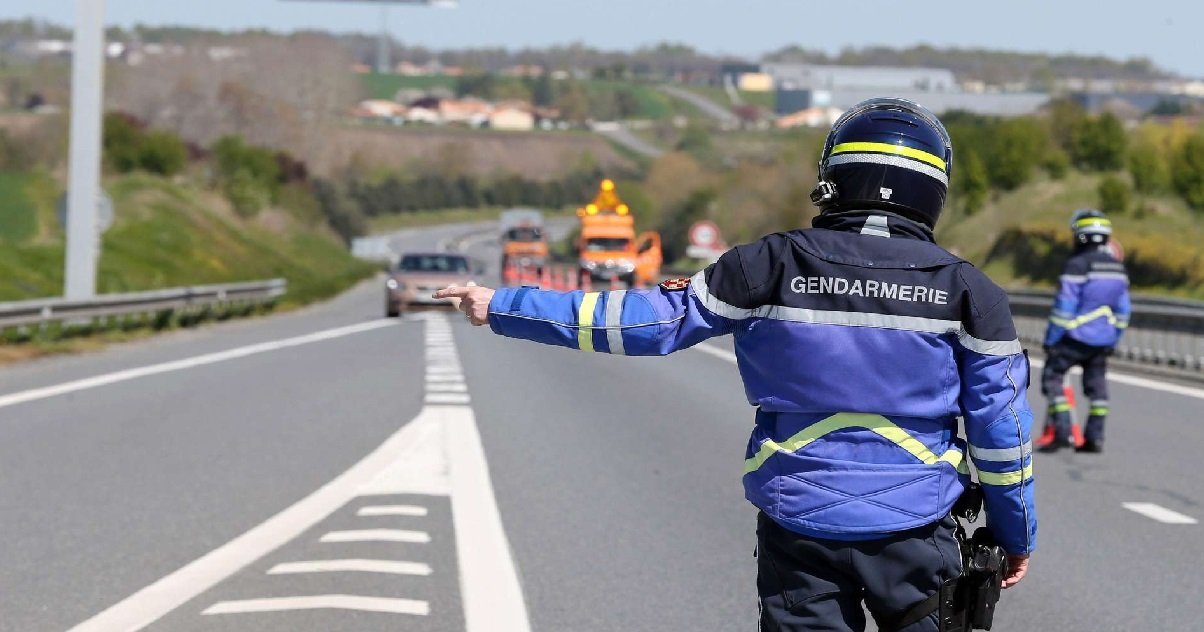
<point x="860" y="343"/>
<point x="1092" y="305"/>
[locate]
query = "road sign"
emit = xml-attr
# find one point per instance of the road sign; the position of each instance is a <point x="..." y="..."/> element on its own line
<point x="705" y="234"/>
<point x="104" y="211"/>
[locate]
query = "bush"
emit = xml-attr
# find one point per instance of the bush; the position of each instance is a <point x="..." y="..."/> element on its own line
<point x="162" y="153"/>
<point x="1148" y="168"/>
<point x="1010" y="150"/>
<point x="1113" y="195"/>
<point x="250" y="176"/>
<point x="1056" y="163"/>
<point x="971" y="182"/>
<point x="129" y="147"/>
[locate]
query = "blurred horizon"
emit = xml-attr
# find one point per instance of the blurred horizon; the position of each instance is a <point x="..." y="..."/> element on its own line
<point x="1159" y="33"/>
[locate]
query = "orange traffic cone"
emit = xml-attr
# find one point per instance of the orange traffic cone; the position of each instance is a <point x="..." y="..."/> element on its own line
<point x="586" y="281"/>
<point x="510" y="274"/>
<point x="570" y="280"/>
<point x="546" y="278"/>
<point x="1049" y="433"/>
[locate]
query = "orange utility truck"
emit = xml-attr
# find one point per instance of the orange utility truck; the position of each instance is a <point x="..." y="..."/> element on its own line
<point x="608" y="247"/>
<point x="523" y="242"/>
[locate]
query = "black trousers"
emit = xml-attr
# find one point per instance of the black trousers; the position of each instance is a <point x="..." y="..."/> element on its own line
<point x="815" y="585"/>
<point x="1094" y="360"/>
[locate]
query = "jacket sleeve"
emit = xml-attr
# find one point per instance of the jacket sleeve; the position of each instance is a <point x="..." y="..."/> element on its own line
<point x="657" y="321"/>
<point x="1066" y="303"/>
<point x="1123" y="310"/>
<point x="994" y="400"/>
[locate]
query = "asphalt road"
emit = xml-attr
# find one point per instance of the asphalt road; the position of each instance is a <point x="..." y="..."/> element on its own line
<point x="325" y="466"/>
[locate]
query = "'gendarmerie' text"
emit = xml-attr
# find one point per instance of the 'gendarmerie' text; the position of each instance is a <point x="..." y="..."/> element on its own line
<point x="869" y="289"/>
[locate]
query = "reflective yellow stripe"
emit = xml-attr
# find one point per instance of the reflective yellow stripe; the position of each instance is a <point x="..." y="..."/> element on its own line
<point x="1059" y="408"/>
<point x="1099" y="410"/>
<point x="1005" y="478"/>
<point x="585" y="320"/>
<point x="1099" y="312"/>
<point x="1092" y="221"/>
<point x="841" y="421"/>
<point x="887" y="148"/>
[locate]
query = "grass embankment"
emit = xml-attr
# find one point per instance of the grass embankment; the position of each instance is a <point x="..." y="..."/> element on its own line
<point x="1022" y="237"/>
<point x="168" y="234"/>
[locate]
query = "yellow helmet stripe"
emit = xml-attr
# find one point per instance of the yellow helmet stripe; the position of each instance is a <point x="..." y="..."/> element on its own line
<point x="898" y="150"/>
<point x="1093" y="221"/>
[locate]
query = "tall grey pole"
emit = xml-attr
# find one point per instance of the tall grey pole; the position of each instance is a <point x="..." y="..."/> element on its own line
<point x="383" y="58"/>
<point x="83" y="183"/>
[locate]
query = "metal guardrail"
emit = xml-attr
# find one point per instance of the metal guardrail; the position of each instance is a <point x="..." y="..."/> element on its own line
<point x="51" y="310"/>
<point x="1164" y="332"/>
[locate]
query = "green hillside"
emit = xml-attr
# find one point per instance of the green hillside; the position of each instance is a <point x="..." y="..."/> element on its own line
<point x="166" y="235"/>
<point x="1022" y="237"/>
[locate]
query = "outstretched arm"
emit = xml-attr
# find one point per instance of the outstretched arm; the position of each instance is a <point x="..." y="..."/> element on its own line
<point x="657" y="321"/>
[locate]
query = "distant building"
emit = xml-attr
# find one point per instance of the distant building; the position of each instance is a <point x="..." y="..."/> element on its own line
<point x="811" y="117"/>
<point x="471" y="112"/>
<point x="755" y="82"/>
<point x="511" y="117"/>
<point x="804" y="87"/>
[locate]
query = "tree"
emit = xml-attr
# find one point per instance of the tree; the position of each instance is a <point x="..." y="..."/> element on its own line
<point x="1098" y="143"/>
<point x="542" y="93"/>
<point x="971" y="182"/>
<point x="1187" y="172"/>
<point x="162" y="153"/>
<point x="1012" y="151"/>
<point x="1113" y="194"/>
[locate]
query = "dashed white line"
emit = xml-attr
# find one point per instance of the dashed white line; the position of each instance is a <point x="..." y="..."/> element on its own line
<point x="186" y="363"/>
<point x="447" y="398"/>
<point x="351" y="566"/>
<point x="377" y="535"/>
<point x="444" y="387"/>
<point x="322" y="602"/>
<point x="392" y="510"/>
<point x="1159" y="513"/>
<point x="444" y="377"/>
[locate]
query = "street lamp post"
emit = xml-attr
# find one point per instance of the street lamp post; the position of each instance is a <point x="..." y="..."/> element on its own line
<point x="83" y="183"/>
<point x="383" y="58"/>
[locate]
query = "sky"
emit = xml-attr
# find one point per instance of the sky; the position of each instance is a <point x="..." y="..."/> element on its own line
<point x="1165" y="31"/>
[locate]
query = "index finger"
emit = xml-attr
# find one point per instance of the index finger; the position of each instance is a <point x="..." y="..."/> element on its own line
<point x="452" y="292"/>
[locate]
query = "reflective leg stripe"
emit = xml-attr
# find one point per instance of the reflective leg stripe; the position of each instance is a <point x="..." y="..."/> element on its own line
<point x="1099" y="408"/>
<point x="1099" y="312"/>
<point x="841" y="421"/>
<point x="1005" y="478"/>
<point x="1059" y="407"/>
<point x="585" y="321"/>
<point x="614" y="314"/>
<point x="1001" y="455"/>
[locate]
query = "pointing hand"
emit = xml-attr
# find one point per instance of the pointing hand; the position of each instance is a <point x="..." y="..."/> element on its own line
<point x="473" y="301"/>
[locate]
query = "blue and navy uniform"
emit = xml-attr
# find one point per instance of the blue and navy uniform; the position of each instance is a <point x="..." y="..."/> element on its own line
<point x="1089" y="316"/>
<point x="860" y="342"/>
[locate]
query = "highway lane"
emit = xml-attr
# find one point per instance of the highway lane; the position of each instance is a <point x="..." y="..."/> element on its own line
<point x="617" y="482"/>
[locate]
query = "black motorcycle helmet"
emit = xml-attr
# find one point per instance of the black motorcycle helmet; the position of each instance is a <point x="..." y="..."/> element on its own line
<point x="1091" y="227"/>
<point x="889" y="154"/>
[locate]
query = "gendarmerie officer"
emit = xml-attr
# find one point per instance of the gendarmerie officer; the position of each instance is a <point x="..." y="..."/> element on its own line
<point x="860" y="342"/>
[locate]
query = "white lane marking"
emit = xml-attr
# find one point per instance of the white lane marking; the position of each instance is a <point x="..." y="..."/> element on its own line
<point x="186" y="363"/>
<point x="351" y="566"/>
<point x="377" y="535"/>
<point x="444" y="377"/>
<point x="493" y="597"/>
<point x="392" y="510"/>
<point x="446" y="398"/>
<point x="152" y="602"/>
<point x="322" y="602"/>
<point x="444" y="387"/>
<point x="1159" y="513"/>
<point x="444" y="370"/>
<point x="722" y="354"/>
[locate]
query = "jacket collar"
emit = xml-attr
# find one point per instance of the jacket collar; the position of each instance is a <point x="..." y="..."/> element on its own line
<point x="875" y="223"/>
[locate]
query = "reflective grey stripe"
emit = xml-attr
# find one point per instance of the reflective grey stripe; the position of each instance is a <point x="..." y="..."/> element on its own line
<point x="853" y="319"/>
<point x="1001" y="454"/>
<point x="876" y="225"/>
<point x="894" y="161"/>
<point x="1099" y="402"/>
<point x="990" y="347"/>
<point x="698" y="283"/>
<point x="1119" y="276"/>
<point x="859" y="319"/>
<point x="1073" y="278"/>
<point x="614" y="314"/>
